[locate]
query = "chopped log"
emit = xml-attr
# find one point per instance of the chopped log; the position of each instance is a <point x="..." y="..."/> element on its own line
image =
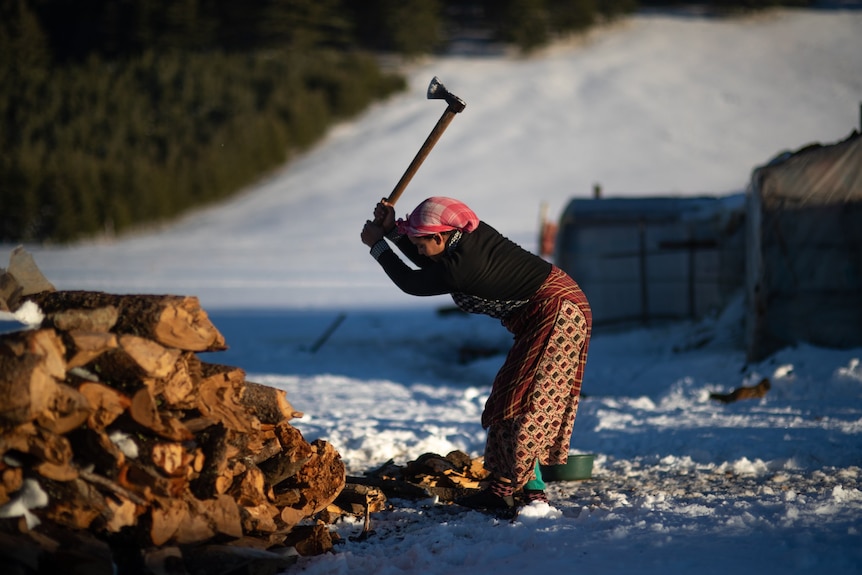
<point x="234" y="468"/>
<point x="102" y="454"/>
<point x="68" y="408"/>
<point x="165" y="516"/>
<point x="396" y="488"/>
<point x="135" y="359"/>
<point x="225" y="515"/>
<point x="751" y="392"/>
<point x="213" y="442"/>
<point x="106" y="403"/>
<point x="179" y="389"/>
<point x="10" y="291"/>
<point x="11" y="480"/>
<point x="124" y="513"/>
<point x="356" y="499"/>
<point x="111" y="486"/>
<point x="173" y="321"/>
<point x="148" y="482"/>
<point x="321" y="479"/>
<point x="269" y="404"/>
<point x="260" y="518"/>
<point x="31" y="364"/>
<point x="22" y="278"/>
<point x="23" y="267"/>
<point x="172" y="459"/>
<point x="249" y="488"/>
<point x="195" y="526"/>
<point x="75" y="504"/>
<point x="38" y="442"/>
<point x="310" y="540"/>
<point x="281" y="467"/>
<point x="57" y="472"/>
<point x="145" y="412"/>
<point x="252" y="446"/>
<point x="85" y="346"/>
<point x="219" y="397"/>
<point x="295" y="454"/>
<point x="265" y="448"/>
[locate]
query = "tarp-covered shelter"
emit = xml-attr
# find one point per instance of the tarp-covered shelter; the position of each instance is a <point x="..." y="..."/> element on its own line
<point x="657" y="258"/>
<point x="804" y="249"/>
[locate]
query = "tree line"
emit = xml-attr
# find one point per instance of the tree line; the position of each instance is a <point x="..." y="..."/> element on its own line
<point x="117" y="114"/>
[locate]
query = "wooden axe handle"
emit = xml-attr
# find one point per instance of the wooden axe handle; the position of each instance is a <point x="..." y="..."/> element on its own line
<point x="423" y="152"/>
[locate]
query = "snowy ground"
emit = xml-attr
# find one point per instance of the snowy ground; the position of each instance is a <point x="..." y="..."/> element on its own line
<point x="680" y="483"/>
<point x="654" y="105"/>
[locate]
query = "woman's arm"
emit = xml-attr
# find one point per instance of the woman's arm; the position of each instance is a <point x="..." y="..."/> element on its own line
<point x="426" y="281"/>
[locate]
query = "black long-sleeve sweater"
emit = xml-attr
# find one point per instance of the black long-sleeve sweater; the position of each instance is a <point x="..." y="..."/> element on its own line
<point x="483" y="264"/>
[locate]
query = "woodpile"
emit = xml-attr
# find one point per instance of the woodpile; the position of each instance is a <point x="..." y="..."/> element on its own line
<point x="431" y="476"/>
<point x="122" y="450"/>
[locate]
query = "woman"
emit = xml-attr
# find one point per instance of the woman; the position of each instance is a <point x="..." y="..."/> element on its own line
<point x="531" y="409"/>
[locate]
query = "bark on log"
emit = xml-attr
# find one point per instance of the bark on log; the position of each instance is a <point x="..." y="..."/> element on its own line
<point x="100" y="319"/>
<point x="269" y="404"/>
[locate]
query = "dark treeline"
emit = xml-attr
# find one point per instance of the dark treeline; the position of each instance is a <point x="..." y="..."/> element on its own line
<point x="118" y="113"/>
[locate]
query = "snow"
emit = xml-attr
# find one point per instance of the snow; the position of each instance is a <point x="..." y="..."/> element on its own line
<point x="656" y="104"/>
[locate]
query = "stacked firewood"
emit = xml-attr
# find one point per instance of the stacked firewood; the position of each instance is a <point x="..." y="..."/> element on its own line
<point x="430" y="476"/>
<point x="122" y="449"/>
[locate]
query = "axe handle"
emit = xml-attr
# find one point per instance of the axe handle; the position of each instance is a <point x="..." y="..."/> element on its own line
<point x="423" y="152"/>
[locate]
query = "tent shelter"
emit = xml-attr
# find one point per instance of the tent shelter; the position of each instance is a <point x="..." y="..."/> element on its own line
<point x="803" y="276"/>
<point x="640" y="260"/>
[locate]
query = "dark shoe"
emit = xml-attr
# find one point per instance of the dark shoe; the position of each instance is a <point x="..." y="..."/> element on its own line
<point x="535" y="495"/>
<point x="486" y="500"/>
<point x="496" y="498"/>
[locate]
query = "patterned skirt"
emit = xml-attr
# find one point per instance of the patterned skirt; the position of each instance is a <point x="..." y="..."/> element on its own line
<point x="531" y="410"/>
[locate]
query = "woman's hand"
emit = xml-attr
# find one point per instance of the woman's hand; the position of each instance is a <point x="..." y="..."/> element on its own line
<point x="384" y="215"/>
<point x="371" y="233"/>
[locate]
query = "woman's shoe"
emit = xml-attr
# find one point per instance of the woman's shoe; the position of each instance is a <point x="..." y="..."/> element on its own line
<point x="497" y="497"/>
<point x="486" y="499"/>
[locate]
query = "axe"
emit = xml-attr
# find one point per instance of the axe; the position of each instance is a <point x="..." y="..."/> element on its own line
<point x="436" y="91"/>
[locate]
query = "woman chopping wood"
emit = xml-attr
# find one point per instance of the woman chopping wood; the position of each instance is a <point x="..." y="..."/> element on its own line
<point x="531" y="409"/>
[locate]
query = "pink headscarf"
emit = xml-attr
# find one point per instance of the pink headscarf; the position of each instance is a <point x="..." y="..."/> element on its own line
<point x="438" y="214"/>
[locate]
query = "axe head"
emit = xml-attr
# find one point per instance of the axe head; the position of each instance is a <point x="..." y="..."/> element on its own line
<point x="437" y="91"/>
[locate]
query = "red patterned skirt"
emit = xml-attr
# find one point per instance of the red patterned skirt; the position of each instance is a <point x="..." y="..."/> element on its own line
<point x="531" y="410"/>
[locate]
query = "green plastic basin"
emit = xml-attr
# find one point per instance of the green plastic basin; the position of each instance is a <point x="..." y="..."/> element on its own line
<point x="577" y="467"/>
